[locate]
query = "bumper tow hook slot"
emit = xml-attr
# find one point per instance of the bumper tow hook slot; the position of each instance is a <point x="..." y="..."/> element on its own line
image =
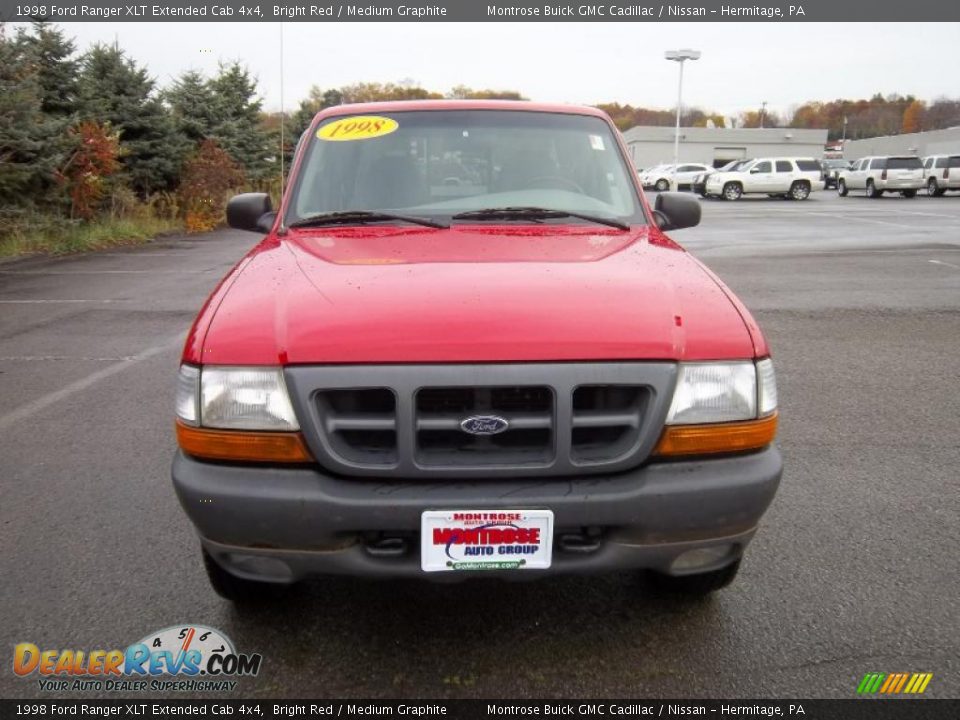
<point x="576" y="543"/>
<point x="388" y="547"/>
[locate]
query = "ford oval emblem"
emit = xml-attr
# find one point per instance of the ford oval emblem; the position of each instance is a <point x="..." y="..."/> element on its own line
<point x="484" y="425"/>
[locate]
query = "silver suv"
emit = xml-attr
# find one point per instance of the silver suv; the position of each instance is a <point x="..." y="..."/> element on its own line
<point x="877" y="175"/>
<point x="941" y="173"/>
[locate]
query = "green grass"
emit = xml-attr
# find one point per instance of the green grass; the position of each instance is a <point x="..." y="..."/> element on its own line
<point x="58" y="237"/>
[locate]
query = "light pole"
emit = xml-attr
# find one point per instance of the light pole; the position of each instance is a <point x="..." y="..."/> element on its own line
<point x="679" y="56"/>
<point x="763" y="110"/>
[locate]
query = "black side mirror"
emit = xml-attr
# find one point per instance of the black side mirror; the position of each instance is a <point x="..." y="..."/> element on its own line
<point x="674" y="211"/>
<point x="251" y="211"/>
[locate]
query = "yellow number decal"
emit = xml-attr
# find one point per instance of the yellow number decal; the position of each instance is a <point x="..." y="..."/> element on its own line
<point x="358" y="127"/>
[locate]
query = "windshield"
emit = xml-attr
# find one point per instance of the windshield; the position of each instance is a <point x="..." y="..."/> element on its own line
<point x="436" y="164"/>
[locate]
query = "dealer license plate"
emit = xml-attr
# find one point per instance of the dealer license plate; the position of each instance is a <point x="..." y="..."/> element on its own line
<point x="486" y="540"/>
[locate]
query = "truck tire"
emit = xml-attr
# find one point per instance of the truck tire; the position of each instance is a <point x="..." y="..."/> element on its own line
<point x="238" y="590"/>
<point x="732" y="191"/>
<point x="698" y="584"/>
<point x="933" y="190"/>
<point x="842" y="188"/>
<point x="800" y="190"/>
<point x="662" y="185"/>
<point x="872" y="191"/>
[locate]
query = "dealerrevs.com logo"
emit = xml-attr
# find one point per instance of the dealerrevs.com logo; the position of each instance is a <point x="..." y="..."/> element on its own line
<point x="180" y="658"/>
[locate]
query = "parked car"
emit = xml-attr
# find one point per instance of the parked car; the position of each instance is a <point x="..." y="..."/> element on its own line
<point x="414" y="378"/>
<point x="831" y="171"/>
<point x="699" y="185"/>
<point x="941" y="173"/>
<point x="877" y="175"/>
<point x="791" y="178"/>
<point x="649" y="177"/>
<point x="660" y="178"/>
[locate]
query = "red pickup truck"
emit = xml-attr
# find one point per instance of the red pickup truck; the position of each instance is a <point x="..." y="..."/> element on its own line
<point x="465" y="345"/>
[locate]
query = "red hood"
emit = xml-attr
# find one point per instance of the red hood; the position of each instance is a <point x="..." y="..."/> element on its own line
<point x="468" y="294"/>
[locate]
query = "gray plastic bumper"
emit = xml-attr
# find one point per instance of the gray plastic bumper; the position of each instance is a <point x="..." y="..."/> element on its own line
<point x="282" y="524"/>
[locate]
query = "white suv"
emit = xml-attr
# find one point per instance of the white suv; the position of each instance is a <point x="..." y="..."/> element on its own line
<point x="791" y="178"/>
<point x="877" y="175"/>
<point x="659" y="178"/>
<point x="941" y="173"/>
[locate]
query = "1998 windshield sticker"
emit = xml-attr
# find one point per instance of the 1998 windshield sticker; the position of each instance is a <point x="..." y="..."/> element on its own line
<point x="359" y="127"/>
<point x="180" y="658"/>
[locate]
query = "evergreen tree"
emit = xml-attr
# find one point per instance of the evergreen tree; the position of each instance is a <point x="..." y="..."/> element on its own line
<point x="114" y="90"/>
<point x="195" y="109"/>
<point x="239" y="130"/>
<point x="57" y="71"/>
<point x="28" y="160"/>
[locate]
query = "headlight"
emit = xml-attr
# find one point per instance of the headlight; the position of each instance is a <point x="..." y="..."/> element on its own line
<point x="245" y="399"/>
<point x="714" y="392"/>
<point x="721" y="407"/>
<point x="234" y="398"/>
<point x="188" y="393"/>
<point x="237" y="414"/>
<point x="766" y="388"/>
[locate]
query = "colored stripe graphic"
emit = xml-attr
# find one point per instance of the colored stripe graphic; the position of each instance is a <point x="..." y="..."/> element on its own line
<point x="894" y="683"/>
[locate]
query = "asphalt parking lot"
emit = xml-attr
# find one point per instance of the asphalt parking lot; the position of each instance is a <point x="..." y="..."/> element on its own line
<point x="856" y="568"/>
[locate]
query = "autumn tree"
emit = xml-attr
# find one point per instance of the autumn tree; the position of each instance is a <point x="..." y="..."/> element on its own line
<point x="208" y="176"/>
<point x="462" y="92"/>
<point x="86" y="171"/>
<point x="114" y="90"/>
<point x="913" y="117"/>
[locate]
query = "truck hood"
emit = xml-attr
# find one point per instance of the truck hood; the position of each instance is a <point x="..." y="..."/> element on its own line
<point x="468" y="294"/>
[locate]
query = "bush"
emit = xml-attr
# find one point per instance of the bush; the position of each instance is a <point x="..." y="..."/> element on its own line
<point x="208" y="178"/>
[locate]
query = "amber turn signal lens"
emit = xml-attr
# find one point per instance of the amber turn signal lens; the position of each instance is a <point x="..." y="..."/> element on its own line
<point x="717" y="437"/>
<point x="243" y="446"/>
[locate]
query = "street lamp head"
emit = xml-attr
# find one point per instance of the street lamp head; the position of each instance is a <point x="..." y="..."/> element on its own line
<point x="682" y="54"/>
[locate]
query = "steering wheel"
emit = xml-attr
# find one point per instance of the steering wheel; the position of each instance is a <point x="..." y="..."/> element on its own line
<point x="555" y="181"/>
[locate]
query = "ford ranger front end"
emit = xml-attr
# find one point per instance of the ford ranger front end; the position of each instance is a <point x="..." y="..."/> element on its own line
<point x="466" y="344"/>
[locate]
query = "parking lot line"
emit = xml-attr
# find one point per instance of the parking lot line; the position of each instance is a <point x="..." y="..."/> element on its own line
<point x="58" y="302"/>
<point x="104" y="272"/>
<point x="32" y="408"/>
<point x="941" y="262"/>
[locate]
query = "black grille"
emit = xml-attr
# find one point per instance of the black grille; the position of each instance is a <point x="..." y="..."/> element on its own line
<point x="606" y="421"/>
<point x="360" y="424"/>
<point x="544" y="419"/>
<point x="527" y="439"/>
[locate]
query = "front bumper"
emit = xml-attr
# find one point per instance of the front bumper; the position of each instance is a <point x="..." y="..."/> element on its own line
<point x="284" y="524"/>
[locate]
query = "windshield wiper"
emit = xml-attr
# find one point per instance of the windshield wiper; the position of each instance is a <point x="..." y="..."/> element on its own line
<point x="534" y="213"/>
<point x="361" y="216"/>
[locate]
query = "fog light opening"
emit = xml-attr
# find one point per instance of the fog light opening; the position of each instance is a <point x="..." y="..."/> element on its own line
<point x="258" y="567"/>
<point x="702" y="558"/>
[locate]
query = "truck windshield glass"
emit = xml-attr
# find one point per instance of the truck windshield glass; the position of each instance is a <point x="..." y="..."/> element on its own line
<point x="436" y="164"/>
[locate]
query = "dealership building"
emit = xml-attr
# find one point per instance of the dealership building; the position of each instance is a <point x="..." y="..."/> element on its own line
<point x="652" y="145"/>
<point x="935" y="142"/>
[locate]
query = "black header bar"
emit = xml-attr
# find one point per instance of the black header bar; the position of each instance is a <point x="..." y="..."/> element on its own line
<point x="481" y="11"/>
<point x="140" y="707"/>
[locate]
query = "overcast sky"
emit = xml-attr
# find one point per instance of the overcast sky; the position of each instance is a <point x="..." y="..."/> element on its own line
<point x="742" y="63"/>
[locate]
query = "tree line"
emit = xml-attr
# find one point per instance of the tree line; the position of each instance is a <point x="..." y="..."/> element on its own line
<point x="84" y="136"/>
<point x="850" y="119"/>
